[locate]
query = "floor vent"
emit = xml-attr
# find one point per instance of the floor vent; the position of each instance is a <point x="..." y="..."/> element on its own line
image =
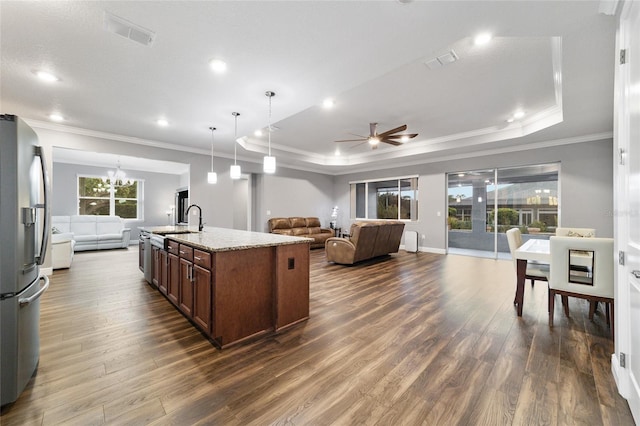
<point x="126" y="29"/>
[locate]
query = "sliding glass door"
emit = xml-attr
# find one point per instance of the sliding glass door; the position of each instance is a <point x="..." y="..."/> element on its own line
<point x="484" y="204"/>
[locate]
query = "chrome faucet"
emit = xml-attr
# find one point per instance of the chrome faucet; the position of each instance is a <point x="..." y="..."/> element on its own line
<point x="200" y="226"/>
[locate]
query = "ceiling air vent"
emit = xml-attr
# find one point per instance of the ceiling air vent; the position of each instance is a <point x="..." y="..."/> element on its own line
<point x="441" y="60"/>
<point x="126" y="29"/>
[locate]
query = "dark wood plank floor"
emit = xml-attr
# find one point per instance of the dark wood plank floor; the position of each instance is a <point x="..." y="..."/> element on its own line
<point x="415" y="339"/>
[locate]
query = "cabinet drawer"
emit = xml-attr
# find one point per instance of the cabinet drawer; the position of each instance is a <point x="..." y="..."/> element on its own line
<point x="202" y="258"/>
<point x="173" y="247"/>
<point x="186" y="252"/>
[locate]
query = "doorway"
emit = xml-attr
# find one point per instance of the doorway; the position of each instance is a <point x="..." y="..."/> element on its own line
<point x="484" y="204"/>
<point x="242" y="203"/>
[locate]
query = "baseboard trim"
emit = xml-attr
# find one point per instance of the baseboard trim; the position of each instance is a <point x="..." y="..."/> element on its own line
<point x="422" y="249"/>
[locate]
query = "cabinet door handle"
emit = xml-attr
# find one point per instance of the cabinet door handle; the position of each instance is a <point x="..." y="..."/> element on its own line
<point x="197" y="258"/>
<point x="636" y="273"/>
<point x="181" y="252"/>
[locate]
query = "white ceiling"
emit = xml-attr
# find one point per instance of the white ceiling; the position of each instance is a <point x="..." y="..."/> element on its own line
<point x="552" y="59"/>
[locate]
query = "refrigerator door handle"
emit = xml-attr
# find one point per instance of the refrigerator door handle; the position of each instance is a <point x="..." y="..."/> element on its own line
<point x="45" y="228"/>
<point x="27" y="300"/>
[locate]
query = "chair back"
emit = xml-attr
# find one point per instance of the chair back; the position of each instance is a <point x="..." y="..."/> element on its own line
<point x="514" y="239"/>
<point x="576" y="232"/>
<point x="596" y="280"/>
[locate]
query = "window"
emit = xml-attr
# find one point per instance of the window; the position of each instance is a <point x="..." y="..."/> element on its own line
<point x="97" y="196"/>
<point x="395" y="198"/>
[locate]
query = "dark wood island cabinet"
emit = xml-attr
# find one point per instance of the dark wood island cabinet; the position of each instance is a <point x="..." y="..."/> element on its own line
<point x="234" y="285"/>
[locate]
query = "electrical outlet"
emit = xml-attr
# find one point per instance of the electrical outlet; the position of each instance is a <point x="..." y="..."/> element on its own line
<point x="438" y="214"/>
<point x="268" y="212"/>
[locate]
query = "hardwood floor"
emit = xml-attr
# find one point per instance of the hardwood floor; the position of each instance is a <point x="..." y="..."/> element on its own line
<point x="414" y="339"/>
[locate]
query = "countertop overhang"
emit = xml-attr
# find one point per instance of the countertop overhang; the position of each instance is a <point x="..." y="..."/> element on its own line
<point x="223" y="239"/>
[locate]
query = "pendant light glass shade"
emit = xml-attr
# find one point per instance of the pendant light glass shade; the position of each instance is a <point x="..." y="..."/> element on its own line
<point x="269" y="165"/>
<point x="212" y="177"/>
<point x="235" y="172"/>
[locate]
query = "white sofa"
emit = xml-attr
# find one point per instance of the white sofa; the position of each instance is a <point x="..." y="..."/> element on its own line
<point x="62" y="250"/>
<point x="93" y="232"/>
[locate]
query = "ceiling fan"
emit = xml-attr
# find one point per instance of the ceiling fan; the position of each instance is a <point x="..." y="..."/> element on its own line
<point x="392" y="137"/>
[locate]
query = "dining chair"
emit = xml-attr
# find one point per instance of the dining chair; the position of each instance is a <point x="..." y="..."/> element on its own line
<point x="535" y="271"/>
<point x="576" y="232"/>
<point x="595" y="285"/>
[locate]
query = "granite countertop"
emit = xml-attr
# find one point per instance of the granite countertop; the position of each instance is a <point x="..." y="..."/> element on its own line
<point x="223" y="239"/>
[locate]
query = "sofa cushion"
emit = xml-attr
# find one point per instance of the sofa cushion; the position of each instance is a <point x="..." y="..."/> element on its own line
<point x="61" y="223"/>
<point x="106" y="237"/>
<point x="298" y="222"/>
<point x="282" y="231"/>
<point x="313" y="222"/>
<point x="279" y="223"/>
<point x="85" y="238"/>
<point x="109" y="225"/>
<point x="299" y="231"/>
<point x="83" y="225"/>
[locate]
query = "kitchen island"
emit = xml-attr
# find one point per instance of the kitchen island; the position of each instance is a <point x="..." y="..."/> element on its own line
<point x="233" y="285"/>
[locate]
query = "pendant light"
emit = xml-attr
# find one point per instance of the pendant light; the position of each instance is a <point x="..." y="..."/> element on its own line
<point x="212" y="177"/>
<point x="235" y="171"/>
<point x="269" y="161"/>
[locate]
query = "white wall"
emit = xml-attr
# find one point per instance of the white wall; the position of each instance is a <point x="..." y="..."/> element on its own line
<point x="586" y="182"/>
<point x="159" y="190"/>
<point x="294" y="193"/>
<point x="213" y="199"/>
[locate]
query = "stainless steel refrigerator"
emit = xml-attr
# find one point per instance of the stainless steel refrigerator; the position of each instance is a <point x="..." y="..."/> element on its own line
<point x="24" y="232"/>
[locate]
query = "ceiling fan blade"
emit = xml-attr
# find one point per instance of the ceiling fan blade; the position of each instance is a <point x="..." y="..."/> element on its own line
<point x="360" y="136"/>
<point x="357" y="145"/>
<point x="391" y="142"/>
<point x="400" y="136"/>
<point x="353" y="140"/>
<point x="396" y="130"/>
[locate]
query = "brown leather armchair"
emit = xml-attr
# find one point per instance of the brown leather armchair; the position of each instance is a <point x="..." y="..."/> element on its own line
<point x="367" y="240"/>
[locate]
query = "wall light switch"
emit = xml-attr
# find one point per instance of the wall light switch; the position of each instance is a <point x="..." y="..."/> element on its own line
<point x="424" y="236"/>
<point x="268" y="212"/>
<point x="438" y="214"/>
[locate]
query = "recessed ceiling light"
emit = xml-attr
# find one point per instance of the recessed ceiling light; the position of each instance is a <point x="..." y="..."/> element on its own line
<point x="481" y="39"/>
<point x="258" y="133"/>
<point x="460" y="174"/>
<point x="46" y="76"/>
<point x="162" y="122"/>
<point x="510" y="120"/>
<point x="218" y="65"/>
<point x="337" y="153"/>
<point x="518" y="114"/>
<point x="56" y="117"/>
<point x="328" y="103"/>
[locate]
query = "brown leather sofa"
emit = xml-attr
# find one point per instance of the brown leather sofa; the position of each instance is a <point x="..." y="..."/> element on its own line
<point x="367" y="240"/>
<point x="308" y="227"/>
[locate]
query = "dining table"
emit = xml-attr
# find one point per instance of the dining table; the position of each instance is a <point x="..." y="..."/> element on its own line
<point x="539" y="250"/>
<point x="535" y="249"/>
